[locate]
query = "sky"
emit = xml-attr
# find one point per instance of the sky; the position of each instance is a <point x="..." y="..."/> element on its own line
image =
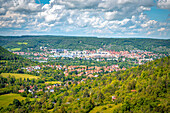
<point x="101" y="18"/>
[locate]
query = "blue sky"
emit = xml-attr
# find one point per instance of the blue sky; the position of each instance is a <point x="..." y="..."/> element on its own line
<point x="102" y="18"/>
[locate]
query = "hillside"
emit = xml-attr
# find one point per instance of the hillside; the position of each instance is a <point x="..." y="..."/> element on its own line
<point x="84" y="43"/>
<point x="141" y="89"/>
<point x="10" y="62"/>
<point x="6" y="55"/>
<point x="144" y="88"/>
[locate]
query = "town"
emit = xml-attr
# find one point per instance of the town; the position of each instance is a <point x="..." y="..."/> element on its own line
<point x="136" y="56"/>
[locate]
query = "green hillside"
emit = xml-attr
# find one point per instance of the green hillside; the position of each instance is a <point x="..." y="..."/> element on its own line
<point x="6" y="99"/>
<point x="6" y="55"/>
<point x="17" y="76"/>
<point x="142" y="89"/>
<point x="12" y="63"/>
<point x="84" y="43"/>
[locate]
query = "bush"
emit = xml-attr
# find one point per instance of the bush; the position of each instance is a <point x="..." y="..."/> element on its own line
<point x="104" y="108"/>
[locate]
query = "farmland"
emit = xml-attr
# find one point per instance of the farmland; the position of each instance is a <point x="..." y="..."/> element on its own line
<point x="53" y="82"/>
<point x="17" y="76"/>
<point x="15" y="49"/>
<point x="19" y="43"/>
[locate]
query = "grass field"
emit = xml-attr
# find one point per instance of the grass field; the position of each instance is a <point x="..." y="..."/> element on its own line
<point x="19" y="43"/>
<point x="17" y="76"/>
<point x="109" y="108"/>
<point x="15" y="49"/>
<point x="3" y="60"/>
<point x="53" y="82"/>
<point x="6" y="99"/>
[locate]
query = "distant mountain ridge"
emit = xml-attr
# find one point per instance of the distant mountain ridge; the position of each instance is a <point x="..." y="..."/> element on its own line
<point x="86" y="43"/>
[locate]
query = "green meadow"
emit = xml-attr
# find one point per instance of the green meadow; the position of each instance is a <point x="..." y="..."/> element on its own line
<point x="53" y="82"/>
<point x="17" y="76"/>
<point x="16" y="49"/>
<point x="6" y="99"/>
<point x="19" y="43"/>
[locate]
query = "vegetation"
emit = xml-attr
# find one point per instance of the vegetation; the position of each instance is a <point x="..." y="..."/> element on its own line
<point x="15" y="49"/>
<point x="7" y="99"/>
<point x="22" y="43"/>
<point x="53" y="82"/>
<point x="109" y="108"/>
<point x="6" y="55"/>
<point x="83" y="43"/>
<point x="144" y="88"/>
<point x="18" y="76"/>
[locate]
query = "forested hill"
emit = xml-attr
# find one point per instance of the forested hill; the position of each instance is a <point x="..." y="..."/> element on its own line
<point x="10" y="62"/>
<point x="142" y="89"/>
<point x="145" y="88"/>
<point x="6" y="55"/>
<point x="85" y="43"/>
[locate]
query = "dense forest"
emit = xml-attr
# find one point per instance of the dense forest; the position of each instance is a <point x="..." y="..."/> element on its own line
<point x="144" y="88"/>
<point x="84" y="43"/>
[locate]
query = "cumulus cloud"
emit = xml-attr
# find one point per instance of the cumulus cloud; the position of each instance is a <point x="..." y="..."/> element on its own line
<point x="101" y="16"/>
<point x="163" y="4"/>
<point x="161" y="29"/>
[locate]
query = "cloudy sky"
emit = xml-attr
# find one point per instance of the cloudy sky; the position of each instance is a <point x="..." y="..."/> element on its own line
<point x="103" y="18"/>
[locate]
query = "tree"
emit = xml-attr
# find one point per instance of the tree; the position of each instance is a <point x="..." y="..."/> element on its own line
<point x="16" y="102"/>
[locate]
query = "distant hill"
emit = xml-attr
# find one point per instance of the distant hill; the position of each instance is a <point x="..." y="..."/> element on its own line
<point x="82" y="43"/>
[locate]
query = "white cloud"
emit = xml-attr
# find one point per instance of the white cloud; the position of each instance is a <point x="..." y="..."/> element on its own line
<point x="99" y="16"/>
<point x="150" y="32"/>
<point x="161" y="29"/>
<point x="163" y="4"/>
<point x="149" y="23"/>
<point x="2" y="11"/>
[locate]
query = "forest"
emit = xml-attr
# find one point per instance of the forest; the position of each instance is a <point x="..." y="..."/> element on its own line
<point x="144" y="88"/>
<point x="22" y="43"/>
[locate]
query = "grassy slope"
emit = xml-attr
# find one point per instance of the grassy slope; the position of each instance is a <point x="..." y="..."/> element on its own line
<point x="6" y="99"/>
<point x="17" y="76"/>
<point x="109" y="108"/>
<point x="53" y="82"/>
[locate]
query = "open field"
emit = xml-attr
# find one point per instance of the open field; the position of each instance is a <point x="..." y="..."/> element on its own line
<point x="105" y="108"/>
<point x="3" y="60"/>
<point x="17" y="76"/>
<point x="15" y="49"/>
<point x="6" y="99"/>
<point x="53" y="82"/>
<point x="19" y="43"/>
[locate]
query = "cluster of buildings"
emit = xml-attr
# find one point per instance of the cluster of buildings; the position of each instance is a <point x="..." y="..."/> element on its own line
<point x="77" y="70"/>
<point x="98" y="55"/>
<point x="89" y="71"/>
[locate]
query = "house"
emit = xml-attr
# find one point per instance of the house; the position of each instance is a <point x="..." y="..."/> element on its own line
<point x="21" y="91"/>
<point x="113" y="98"/>
<point x="90" y="75"/>
<point x="52" y="90"/>
<point x="133" y="90"/>
<point x="30" y="90"/>
<point x="96" y="75"/>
